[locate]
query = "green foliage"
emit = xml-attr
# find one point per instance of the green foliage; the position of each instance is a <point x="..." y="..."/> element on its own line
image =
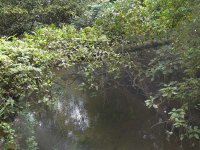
<point x="87" y="48"/>
<point x="25" y="78"/>
<point x="22" y="64"/>
<point x="8" y="134"/>
<point x="150" y="102"/>
<point x="194" y="132"/>
<point x="124" y="19"/>
<point x="177" y="116"/>
<point x="177" y="67"/>
<point x="167" y="14"/>
<point x="16" y="17"/>
<point x="32" y="144"/>
<point x="139" y="21"/>
<point x="98" y="52"/>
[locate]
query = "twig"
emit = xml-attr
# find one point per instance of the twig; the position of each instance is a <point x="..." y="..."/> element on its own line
<point x="158" y="124"/>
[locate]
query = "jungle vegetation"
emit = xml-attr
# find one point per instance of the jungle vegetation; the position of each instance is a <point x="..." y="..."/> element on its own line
<point x="152" y="44"/>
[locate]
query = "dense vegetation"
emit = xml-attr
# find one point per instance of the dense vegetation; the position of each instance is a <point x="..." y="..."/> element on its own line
<point x="152" y="45"/>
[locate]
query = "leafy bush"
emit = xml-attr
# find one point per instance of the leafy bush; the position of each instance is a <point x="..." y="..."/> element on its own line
<point x="25" y="78"/>
<point x="178" y="69"/>
<point x="87" y="48"/>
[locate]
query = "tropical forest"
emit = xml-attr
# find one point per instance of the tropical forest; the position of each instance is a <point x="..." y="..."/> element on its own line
<point x="99" y="74"/>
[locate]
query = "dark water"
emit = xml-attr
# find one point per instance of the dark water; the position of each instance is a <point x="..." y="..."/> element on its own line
<point x="114" y="120"/>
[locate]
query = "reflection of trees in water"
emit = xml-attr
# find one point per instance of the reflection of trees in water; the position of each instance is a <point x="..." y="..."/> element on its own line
<point x="117" y="123"/>
<point x="60" y="124"/>
<point x="122" y="122"/>
<point x="117" y="120"/>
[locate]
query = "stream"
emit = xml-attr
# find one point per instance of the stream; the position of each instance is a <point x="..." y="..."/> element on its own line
<point x="116" y="119"/>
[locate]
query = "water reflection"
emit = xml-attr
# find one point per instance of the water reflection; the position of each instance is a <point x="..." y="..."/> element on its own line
<point x="115" y="120"/>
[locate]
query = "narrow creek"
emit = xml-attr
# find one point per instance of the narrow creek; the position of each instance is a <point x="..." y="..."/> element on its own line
<point x="114" y="120"/>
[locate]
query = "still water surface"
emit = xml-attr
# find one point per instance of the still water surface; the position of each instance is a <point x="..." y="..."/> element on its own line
<point x="114" y="120"/>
